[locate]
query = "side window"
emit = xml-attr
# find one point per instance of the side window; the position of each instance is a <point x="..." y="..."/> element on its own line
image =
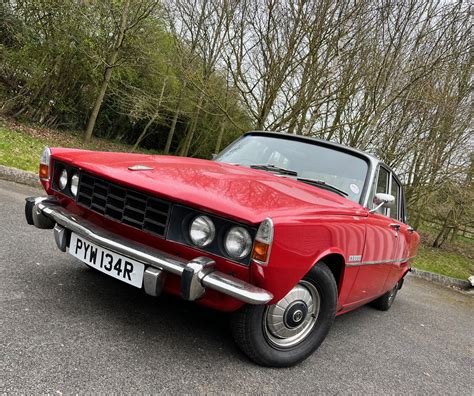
<point x="396" y="192"/>
<point x="404" y="213"/>
<point x="382" y="186"/>
<point x="382" y="181"/>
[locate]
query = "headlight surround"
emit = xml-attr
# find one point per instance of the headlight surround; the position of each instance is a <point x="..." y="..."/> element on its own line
<point x="238" y="242"/>
<point x="63" y="179"/>
<point x="74" y="184"/>
<point x="179" y="223"/>
<point x="202" y="231"/>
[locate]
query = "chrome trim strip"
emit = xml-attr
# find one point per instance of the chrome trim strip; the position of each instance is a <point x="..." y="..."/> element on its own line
<point x="216" y="280"/>
<point x="400" y="260"/>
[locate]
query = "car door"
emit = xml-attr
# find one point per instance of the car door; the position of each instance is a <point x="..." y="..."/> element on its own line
<point x="403" y="233"/>
<point x="381" y="247"/>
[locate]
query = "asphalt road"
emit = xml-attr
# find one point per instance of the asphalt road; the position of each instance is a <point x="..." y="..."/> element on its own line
<point x="68" y="329"/>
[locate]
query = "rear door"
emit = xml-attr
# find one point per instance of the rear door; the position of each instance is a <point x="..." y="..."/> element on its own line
<point x="398" y="220"/>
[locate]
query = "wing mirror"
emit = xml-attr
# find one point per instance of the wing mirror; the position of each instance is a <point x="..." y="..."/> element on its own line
<point x="382" y="200"/>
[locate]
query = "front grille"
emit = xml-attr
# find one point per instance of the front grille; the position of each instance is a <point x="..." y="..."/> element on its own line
<point x="136" y="209"/>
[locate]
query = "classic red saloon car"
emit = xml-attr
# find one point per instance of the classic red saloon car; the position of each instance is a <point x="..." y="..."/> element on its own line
<point x="284" y="231"/>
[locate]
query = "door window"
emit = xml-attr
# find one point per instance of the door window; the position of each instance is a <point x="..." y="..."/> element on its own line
<point x="382" y="186"/>
<point x="382" y="182"/>
<point x="396" y="192"/>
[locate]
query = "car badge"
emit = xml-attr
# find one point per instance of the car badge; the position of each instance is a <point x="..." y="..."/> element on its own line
<point x="139" y="168"/>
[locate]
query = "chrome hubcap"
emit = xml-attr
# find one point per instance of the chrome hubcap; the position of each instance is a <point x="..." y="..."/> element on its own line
<point x="297" y="316"/>
<point x="290" y="320"/>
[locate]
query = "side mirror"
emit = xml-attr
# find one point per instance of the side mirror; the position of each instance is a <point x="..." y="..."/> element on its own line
<point x="213" y="156"/>
<point x="383" y="201"/>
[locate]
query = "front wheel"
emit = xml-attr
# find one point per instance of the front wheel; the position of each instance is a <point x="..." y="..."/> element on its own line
<point x="285" y="333"/>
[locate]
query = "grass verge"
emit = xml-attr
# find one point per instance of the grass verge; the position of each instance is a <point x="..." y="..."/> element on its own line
<point x="21" y="144"/>
<point x="20" y="151"/>
<point x="443" y="262"/>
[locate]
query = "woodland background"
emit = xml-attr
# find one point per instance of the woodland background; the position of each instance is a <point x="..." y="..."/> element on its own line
<point x="186" y="77"/>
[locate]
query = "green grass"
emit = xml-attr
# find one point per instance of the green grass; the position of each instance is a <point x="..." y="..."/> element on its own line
<point x="443" y="262"/>
<point x="21" y="145"/>
<point x="19" y="150"/>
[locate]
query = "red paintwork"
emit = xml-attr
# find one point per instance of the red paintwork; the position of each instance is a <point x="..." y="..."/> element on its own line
<point x="310" y="223"/>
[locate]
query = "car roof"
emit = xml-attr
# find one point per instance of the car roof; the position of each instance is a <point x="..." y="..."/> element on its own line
<point x="308" y="139"/>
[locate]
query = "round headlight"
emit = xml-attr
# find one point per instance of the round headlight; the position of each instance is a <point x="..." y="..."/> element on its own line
<point x="202" y="231"/>
<point x="238" y="242"/>
<point x="63" y="179"/>
<point x="74" y="184"/>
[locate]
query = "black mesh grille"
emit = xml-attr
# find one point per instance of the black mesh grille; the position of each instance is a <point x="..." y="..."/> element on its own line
<point x="125" y="205"/>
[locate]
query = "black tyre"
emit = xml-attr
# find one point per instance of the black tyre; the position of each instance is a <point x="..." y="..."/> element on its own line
<point x="384" y="302"/>
<point x="285" y="333"/>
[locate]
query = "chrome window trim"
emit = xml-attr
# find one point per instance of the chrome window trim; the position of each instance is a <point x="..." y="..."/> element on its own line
<point x="373" y="172"/>
<point x="389" y="210"/>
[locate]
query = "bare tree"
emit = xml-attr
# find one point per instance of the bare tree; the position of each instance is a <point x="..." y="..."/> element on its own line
<point x="200" y="27"/>
<point x="265" y="49"/>
<point x="132" y="14"/>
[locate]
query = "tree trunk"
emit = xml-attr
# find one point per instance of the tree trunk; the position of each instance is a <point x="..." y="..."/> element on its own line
<point x="171" y="132"/>
<point x="153" y="118"/>
<point x="442" y="235"/>
<point x="98" y="101"/>
<point x="145" y="130"/>
<point x="219" y="138"/>
<point x="189" y="136"/>
<point x="107" y="75"/>
<point x="454" y="233"/>
<point x="418" y="218"/>
<point x="169" y="140"/>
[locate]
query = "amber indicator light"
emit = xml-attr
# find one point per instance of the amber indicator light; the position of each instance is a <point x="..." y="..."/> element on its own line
<point x="260" y="251"/>
<point x="43" y="171"/>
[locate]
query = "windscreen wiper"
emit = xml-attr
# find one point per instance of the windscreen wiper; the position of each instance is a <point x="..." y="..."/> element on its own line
<point x="288" y="172"/>
<point x="323" y="184"/>
<point x="273" y="168"/>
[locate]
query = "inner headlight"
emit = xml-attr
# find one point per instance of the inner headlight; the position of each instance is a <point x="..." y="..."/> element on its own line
<point x="238" y="242"/>
<point x="74" y="184"/>
<point x="202" y="231"/>
<point x="63" y="179"/>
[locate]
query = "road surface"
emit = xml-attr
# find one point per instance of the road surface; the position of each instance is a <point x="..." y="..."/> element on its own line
<point x="68" y="329"/>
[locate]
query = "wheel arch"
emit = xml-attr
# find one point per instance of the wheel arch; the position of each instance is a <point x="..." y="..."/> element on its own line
<point x="336" y="263"/>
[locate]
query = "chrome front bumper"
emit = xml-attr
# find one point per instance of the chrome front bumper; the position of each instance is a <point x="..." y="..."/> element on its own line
<point x="196" y="275"/>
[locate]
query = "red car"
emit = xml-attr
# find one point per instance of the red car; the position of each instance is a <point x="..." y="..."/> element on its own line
<point x="282" y="230"/>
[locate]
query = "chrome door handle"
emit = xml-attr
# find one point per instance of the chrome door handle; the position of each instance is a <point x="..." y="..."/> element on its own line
<point x="411" y="230"/>
<point x="395" y="226"/>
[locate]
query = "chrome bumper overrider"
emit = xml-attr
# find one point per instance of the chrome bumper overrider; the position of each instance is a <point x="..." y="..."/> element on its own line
<point x="196" y="275"/>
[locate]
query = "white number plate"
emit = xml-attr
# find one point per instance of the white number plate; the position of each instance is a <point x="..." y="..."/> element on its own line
<point x="111" y="263"/>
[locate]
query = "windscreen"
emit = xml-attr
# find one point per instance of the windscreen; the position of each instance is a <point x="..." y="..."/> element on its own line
<point x="338" y="168"/>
